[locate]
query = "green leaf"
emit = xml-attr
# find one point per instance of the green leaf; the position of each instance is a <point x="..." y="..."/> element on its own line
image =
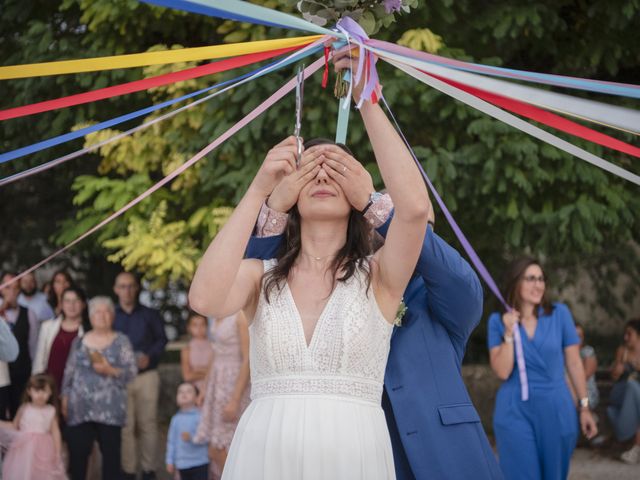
<point x="367" y="22"/>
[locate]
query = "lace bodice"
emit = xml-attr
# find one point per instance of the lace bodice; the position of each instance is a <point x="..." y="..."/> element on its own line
<point x="347" y="355"/>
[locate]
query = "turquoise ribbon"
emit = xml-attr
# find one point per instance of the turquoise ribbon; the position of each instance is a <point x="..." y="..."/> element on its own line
<point x="344" y="108"/>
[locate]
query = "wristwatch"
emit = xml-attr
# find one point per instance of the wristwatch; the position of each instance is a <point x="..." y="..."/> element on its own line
<point x="584" y="402"/>
<point x="372" y="199"/>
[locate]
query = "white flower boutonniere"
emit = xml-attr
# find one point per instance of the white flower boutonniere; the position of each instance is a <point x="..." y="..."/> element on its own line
<point x="402" y="309"/>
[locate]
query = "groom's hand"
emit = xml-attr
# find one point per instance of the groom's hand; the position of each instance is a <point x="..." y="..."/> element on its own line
<point x="347" y="172"/>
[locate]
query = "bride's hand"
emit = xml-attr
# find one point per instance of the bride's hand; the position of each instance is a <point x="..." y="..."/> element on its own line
<point x="286" y="193"/>
<point x="343" y="60"/>
<point x="280" y="161"/>
<point x="353" y="178"/>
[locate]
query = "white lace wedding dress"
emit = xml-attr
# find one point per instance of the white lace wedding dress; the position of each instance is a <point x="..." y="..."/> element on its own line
<point x="315" y="410"/>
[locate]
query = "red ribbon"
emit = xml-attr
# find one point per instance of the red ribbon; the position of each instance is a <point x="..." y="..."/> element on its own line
<point x="546" y="118"/>
<point x="145" y="84"/>
<point x="325" y="75"/>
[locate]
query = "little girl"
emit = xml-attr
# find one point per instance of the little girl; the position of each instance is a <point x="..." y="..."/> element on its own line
<point x="33" y="438"/>
<point x="196" y="357"/>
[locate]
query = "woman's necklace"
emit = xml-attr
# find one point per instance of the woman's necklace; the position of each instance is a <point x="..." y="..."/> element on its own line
<point x="317" y="258"/>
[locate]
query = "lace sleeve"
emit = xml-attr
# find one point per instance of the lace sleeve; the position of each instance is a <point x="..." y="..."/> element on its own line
<point x="379" y="211"/>
<point x="270" y="222"/>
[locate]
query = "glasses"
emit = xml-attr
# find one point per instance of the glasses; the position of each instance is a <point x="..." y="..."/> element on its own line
<point x="533" y="278"/>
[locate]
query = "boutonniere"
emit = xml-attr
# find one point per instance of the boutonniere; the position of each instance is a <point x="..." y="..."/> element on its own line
<point x="402" y="309"/>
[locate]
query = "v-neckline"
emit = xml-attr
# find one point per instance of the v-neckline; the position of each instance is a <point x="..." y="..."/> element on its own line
<point x="535" y="332"/>
<point x="299" y="317"/>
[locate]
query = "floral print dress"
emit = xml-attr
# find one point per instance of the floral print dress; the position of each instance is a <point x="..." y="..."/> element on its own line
<point x="93" y="397"/>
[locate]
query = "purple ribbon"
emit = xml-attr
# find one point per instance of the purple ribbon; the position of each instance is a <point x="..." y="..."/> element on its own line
<point x="475" y="260"/>
<point x="366" y="60"/>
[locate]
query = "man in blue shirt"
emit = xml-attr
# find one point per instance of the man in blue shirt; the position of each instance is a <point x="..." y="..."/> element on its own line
<point x="145" y="329"/>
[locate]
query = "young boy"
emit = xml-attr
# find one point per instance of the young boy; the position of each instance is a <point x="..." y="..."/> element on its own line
<point x="191" y="459"/>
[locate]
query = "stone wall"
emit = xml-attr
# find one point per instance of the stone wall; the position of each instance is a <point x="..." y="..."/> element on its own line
<point x="480" y="381"/>
<point x="483" y="385"/>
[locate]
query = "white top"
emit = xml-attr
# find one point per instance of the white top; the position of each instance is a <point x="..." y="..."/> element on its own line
<point x="347" y="354"/>
<point x="48" y="332"/>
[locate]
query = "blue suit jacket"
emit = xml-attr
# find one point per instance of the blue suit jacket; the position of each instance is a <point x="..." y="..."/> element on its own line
<point x="435" y="430"/>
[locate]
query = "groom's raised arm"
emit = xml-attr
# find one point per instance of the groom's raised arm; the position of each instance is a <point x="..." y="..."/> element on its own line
<point x="268" y="234"/>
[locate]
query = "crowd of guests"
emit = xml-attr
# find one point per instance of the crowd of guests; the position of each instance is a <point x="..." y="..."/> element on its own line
<point x="75" y="372"/>
<point x="84" y="372"/>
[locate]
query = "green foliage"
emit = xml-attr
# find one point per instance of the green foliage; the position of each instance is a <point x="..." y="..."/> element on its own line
<point x="510" y="193"/>
<point x="370" y="14"/>
<point x="159" y="249"/>
<point x="421" y="39"/>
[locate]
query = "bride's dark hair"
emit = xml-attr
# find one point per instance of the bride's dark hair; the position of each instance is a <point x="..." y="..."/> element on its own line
<point x="352" y="256"/>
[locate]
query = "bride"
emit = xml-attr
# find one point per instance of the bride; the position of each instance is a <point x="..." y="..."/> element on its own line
<point x="322" y="312"/>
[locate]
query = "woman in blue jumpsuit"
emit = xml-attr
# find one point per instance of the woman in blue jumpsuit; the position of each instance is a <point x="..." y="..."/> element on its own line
<point x="536" y="437"/>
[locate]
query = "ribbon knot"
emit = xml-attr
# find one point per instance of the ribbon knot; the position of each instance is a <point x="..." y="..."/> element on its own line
<point x="372" y="90"/>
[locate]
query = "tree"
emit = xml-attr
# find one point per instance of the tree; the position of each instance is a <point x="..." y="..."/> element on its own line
<point x="509" y="192"/>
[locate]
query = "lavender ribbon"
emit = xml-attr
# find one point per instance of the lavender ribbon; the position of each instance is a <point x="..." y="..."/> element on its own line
<point x="475" y="260"/>
<point x="352" y="30"/>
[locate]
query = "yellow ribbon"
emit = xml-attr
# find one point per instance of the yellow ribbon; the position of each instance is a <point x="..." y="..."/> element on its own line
<point x="150" y="58"/>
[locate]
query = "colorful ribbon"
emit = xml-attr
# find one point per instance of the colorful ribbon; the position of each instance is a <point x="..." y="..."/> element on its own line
<point x="612" y="88"/>
<point x="612" y="116"/>
<point x="53" y="163"/>
<point x="516" y="122"/>
<point x="268" y="103"/>
<point x="150" y="58"/>
<point x="366" y="60"/>
<point x="145" y="84"/>
<point x="547" y="118"/>
<point x="67" y="137"/>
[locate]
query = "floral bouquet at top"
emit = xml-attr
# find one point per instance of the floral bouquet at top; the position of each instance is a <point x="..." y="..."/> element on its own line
<point x="370" y="14"/>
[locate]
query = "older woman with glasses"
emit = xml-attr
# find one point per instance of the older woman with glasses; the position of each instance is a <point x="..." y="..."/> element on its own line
<point x="94" y="391"/>
<point x="536" y="437"/>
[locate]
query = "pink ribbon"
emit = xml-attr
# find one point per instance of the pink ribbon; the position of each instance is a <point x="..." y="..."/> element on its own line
<point x="268" y="103"/>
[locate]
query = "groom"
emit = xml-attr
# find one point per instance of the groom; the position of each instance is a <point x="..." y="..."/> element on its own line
<point x="435" y="429"/>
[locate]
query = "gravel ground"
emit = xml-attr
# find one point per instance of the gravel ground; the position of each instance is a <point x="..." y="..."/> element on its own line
<point x="589" y="464"/>
<point x="586" y="464"/>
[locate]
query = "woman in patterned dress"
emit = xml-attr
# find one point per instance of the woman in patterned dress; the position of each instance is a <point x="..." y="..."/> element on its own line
<point x="94" y="391"/>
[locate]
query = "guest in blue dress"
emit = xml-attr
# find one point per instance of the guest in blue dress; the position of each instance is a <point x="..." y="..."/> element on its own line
<point x="536" y="437"/>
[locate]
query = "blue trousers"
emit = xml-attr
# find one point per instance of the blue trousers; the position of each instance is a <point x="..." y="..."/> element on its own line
<point x="625" y="417"/>
<point x="535" y="438"/>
